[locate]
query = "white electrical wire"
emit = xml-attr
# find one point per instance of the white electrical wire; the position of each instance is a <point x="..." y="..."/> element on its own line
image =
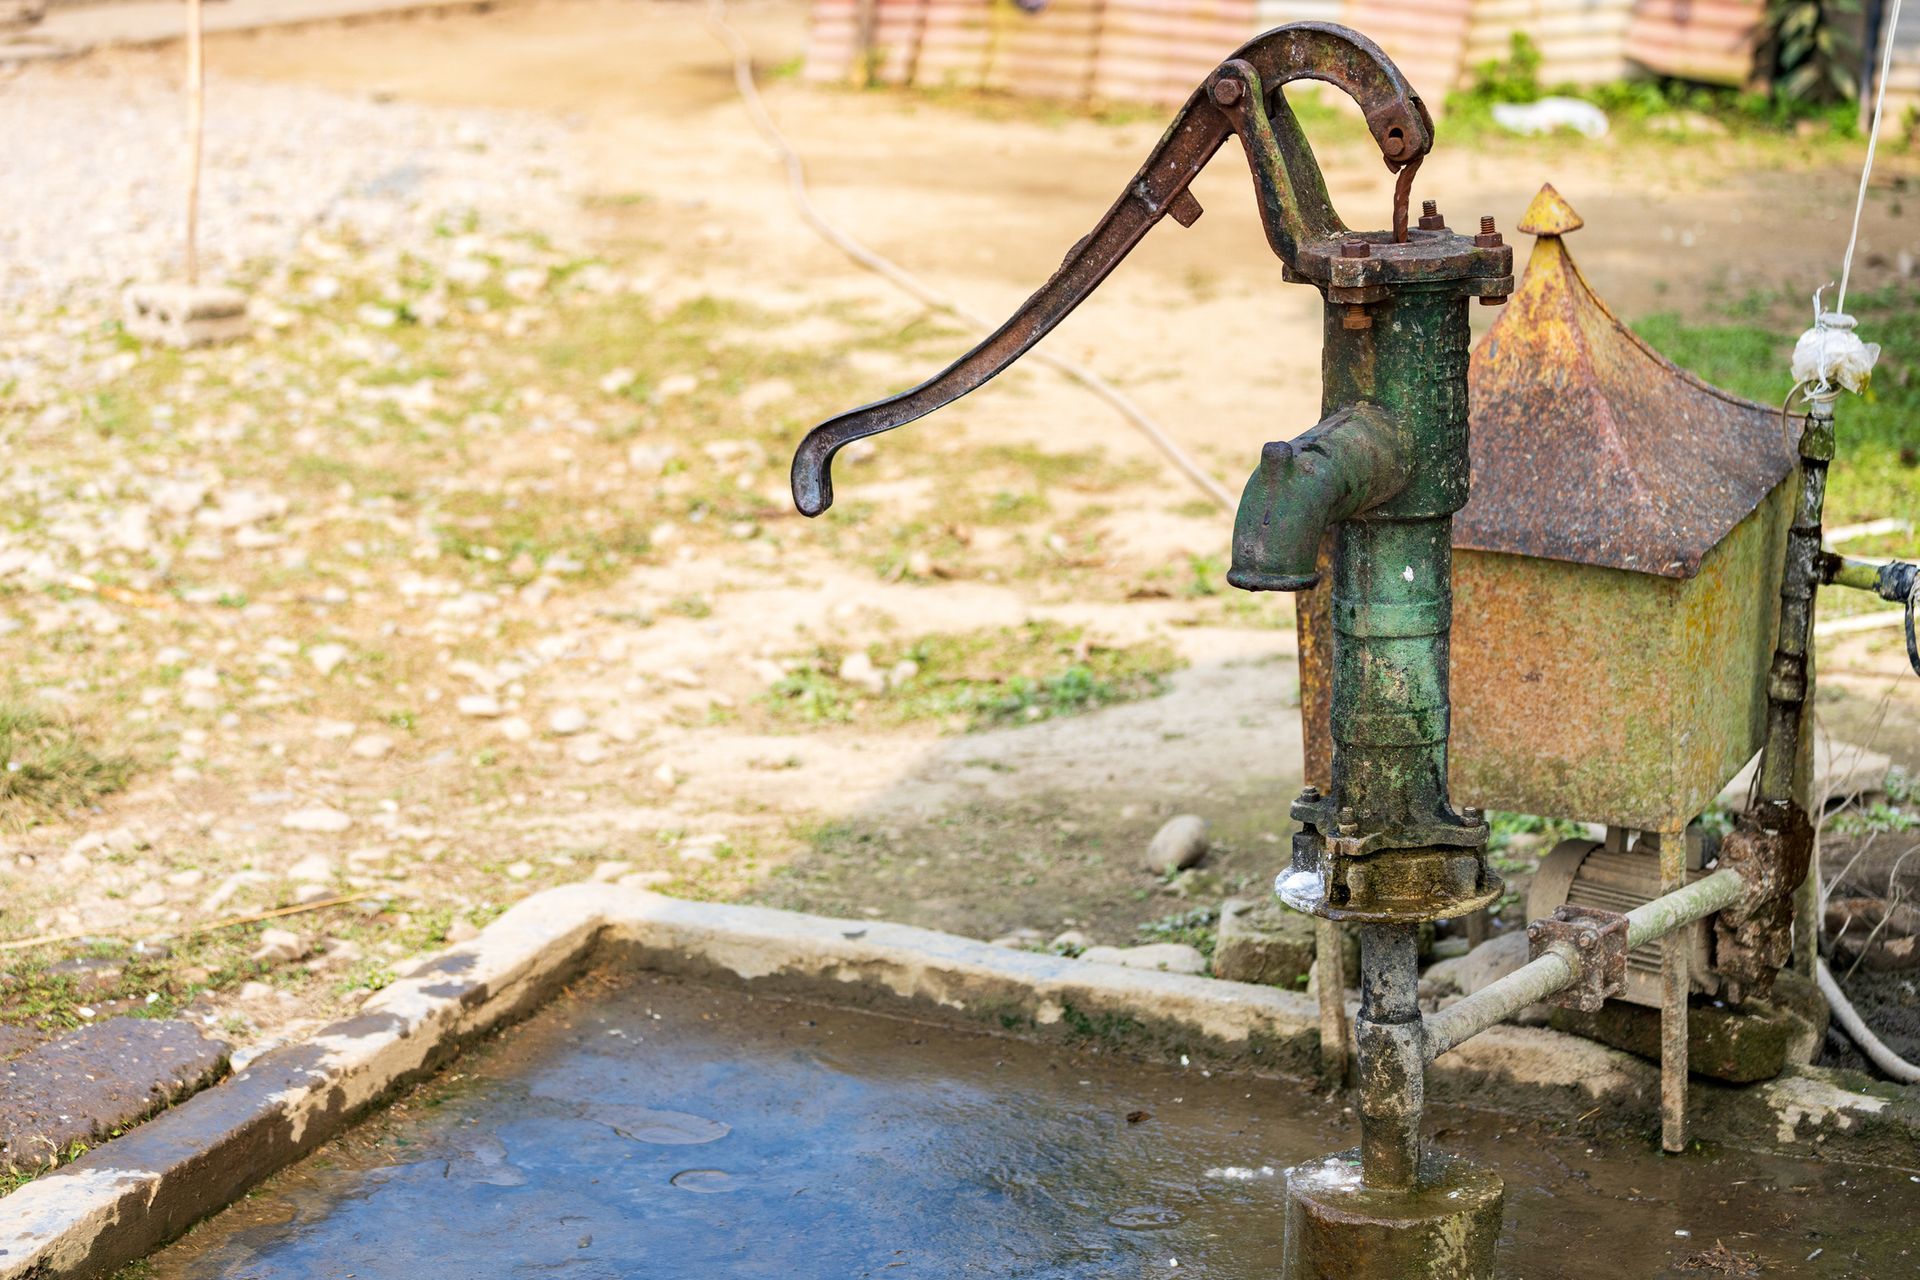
<point x="896" y="275"/>
<point x="1877" y="1053"/>
<point x="1873" y="143"/>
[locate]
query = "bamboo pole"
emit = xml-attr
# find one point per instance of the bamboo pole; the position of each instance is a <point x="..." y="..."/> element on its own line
<point x="196" y="114"/>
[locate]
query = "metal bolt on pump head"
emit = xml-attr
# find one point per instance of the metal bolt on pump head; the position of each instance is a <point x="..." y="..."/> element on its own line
<point x="1430" y="219"/>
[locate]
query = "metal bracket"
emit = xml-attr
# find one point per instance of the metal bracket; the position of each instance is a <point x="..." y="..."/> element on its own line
<point x="1599" y="939"/>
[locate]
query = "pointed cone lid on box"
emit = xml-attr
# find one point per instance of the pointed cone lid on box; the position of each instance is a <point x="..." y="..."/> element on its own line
<point x="1588" y="445"/>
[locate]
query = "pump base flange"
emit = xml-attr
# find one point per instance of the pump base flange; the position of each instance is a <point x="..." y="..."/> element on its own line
<point x="1443" y="1228"/>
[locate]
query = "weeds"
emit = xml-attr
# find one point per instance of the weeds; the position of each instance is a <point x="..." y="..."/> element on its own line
<point x="1646" y="105"/>
<point x="50" y="768"/>
<point x="970" y="680"/>
<point x="1198" y="928"/>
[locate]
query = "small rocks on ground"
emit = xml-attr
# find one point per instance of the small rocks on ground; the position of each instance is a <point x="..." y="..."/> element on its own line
<point x="566" y="721"/>
<point x="1180" y="842"/>
<point x="322" y="819"/>
<point x="481" y="706"/>
<point x="370" y="746"/>
<point x="279" y="946"/>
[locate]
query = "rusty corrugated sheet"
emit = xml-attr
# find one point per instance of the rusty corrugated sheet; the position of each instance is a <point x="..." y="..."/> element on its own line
<point x="1903" y="79"/>
<point x="1710" y="40"/>
<point x="1588" y="446"/>
<point x="1580" y="41"/>
<point x="1044" y="54"/>
<point x="1426" y="40"/>
<point x="1157" y="52"/>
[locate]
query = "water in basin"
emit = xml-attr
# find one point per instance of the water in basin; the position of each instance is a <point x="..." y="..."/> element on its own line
<point x="643" y="1126"/>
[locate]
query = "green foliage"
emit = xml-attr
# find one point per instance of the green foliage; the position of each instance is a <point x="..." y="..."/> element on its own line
<point x="1877" y="818"/>
<point x="1651" y="103"/>
<point x="1516" y="78"/>
<point x="49" y="768"/>
<point x="1198" y="928"/>
<point x="1877" y="469"/>
<point x="1810" y="51"/>
<point x="973" y="679"/>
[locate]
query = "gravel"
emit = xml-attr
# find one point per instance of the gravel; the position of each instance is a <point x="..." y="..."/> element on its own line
<point x="95" y="203"/>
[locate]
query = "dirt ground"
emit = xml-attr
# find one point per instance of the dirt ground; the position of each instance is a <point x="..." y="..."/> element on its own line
<point x="637" y="720"/>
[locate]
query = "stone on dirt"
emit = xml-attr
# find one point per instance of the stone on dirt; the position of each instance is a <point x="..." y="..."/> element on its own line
<point x="96" y="1080"/>
<point x="1265" y="942"/>
<point x="1168" y="957"/>
<point x="321" y="819"/>
<point x="1180" y="843"/>
<point x="1487" y="963"/>
<point x="279" y="946"/>
<point x="566" y="721"/>
<point x="183" y="315"/>
<point x="371" y="746"/>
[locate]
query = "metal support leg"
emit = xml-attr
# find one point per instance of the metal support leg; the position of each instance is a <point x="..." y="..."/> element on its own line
<point x="1330" y="965"/>
<point x="1675" y="981"/>
<point x="1389" y="1035"/>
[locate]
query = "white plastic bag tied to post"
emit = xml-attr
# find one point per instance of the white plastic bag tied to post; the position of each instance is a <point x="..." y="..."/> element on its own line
<point x="1832" y="354"/>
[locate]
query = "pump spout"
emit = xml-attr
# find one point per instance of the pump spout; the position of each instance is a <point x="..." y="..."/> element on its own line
<point x="1351" y="462"/>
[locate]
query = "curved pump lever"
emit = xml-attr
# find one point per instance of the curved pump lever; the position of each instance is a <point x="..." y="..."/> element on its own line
<point x="1242" y="97"/>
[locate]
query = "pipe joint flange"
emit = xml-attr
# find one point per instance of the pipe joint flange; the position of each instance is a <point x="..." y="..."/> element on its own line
<point x="1595" y="944"/>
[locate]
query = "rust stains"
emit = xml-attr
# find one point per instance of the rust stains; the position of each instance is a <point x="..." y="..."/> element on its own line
<point x="1588" y="446"/>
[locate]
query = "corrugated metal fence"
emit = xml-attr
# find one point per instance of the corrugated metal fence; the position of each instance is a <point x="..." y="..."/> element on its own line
<point x="1156" y="51"/>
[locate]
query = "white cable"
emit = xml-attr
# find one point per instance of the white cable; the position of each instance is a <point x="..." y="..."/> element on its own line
<point x="896" y="275"/>
<point x="1877" y="1053"/>
<point x="1873" y="142"/>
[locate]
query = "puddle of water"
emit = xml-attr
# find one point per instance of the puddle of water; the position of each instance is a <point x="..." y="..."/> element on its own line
<point x="834" y="1145"/>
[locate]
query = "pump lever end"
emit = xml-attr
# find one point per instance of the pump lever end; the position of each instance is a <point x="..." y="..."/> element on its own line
<point x="812" y="475"/>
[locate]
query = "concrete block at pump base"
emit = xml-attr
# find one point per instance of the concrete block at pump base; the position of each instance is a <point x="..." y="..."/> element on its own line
<point x="183" y="315"/>
<point x="1269" y="943"/>
<point x="1753" y="1041"/>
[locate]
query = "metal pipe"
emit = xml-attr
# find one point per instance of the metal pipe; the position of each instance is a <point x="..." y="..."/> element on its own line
<point x="1388" y="1034"/>
<point x="1494" y="1003"/>
<point x="1559" y="968"/>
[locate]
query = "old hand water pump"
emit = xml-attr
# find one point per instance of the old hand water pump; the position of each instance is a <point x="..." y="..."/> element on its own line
<point x="1383" y="470"/>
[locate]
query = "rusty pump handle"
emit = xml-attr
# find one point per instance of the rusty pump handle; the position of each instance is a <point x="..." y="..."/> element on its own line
<point x="1294" y="208"/>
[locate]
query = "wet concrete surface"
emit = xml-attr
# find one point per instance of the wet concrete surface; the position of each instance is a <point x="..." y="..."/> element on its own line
<point x="644" y="1126"/>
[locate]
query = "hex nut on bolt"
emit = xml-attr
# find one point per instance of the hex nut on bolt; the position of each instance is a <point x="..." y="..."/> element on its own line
<point x="1430" y="219"/>
<point x="1227" y="90"/>
<point x="1488" y="237"/>
<point x="1356" y="248"/>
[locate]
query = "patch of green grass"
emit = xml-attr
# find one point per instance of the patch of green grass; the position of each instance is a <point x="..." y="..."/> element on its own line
<point x="1639" y="106"/>
<point x="1198" y="928"/>
<point x="1506" y="831"/>
<point x="1876" y="470"/>
<point x="975" y="679"/>
<point x="1877" y="818"/>
<point x="50" y="767"/>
